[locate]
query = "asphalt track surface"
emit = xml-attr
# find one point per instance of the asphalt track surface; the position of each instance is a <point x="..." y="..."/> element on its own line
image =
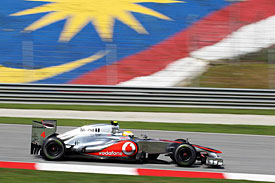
<point x="241" y="153"/>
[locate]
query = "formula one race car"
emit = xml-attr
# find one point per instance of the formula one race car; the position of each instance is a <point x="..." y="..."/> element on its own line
<point x="106" y="141"/>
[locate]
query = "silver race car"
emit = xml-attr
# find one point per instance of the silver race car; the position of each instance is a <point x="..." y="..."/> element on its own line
<point x="106" y="141"/>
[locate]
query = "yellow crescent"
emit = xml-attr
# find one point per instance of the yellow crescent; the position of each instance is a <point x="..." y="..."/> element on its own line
<point x="12" y="75"/>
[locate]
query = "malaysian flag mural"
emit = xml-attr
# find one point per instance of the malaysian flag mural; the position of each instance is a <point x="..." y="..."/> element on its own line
<point x="126" y="42"/>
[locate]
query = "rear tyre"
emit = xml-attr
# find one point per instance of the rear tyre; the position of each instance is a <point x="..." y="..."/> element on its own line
<point x="185" y="155"/>
<point x="53" y="149"/>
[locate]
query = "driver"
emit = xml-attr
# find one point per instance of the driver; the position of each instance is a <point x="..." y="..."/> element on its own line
<point x="128" y="134"/>
<point x="116" y="131"/>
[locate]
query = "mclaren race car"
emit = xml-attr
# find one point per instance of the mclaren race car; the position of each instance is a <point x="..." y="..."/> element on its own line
<point x="106" y="141"/>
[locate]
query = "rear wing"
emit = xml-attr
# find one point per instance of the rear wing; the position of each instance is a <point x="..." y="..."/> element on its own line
<point x="40" y="131"/>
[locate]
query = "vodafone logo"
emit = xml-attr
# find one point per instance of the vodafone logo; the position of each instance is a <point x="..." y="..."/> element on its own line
<point x="120" y="149"/>
<point x="129" y="148"/>
<point x="112" y="153"/>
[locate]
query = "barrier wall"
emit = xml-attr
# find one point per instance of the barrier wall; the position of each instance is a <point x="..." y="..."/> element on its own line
<point x="137" y="96"/>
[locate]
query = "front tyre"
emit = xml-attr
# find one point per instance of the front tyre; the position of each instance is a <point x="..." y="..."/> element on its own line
<point x="178" y="140"/>
<point x="185" y="155"/>
<point x="53" y="149"/>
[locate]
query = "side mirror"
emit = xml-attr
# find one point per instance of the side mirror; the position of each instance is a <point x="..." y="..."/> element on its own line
<point x="144" y="136"/>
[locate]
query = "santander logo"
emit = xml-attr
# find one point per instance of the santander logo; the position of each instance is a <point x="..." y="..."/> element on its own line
<point x="129" y="148"/>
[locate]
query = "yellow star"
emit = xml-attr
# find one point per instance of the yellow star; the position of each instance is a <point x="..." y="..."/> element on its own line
<point x="102" y="13"/>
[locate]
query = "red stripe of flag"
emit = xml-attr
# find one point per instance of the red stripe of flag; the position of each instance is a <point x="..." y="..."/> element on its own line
<point x="206" y="32"/>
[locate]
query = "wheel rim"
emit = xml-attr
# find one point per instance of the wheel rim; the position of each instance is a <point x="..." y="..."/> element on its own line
<point x="185" y="154"/>
<point x="53" y="149"/>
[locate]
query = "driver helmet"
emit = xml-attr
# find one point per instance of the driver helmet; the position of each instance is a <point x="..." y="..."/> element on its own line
<point x="128" y="133"/>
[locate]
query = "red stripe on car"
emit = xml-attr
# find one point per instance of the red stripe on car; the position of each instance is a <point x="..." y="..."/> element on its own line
<point x="120" y="149"/>
<point x="172" y="141"/>
<point x="207" y="149"/>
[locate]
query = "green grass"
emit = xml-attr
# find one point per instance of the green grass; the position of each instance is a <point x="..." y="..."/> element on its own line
<point x="239" y="75"/>
<point x="212" y="128"/>
<point x="27" y="176"/>
<point x="136" y="109"/>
